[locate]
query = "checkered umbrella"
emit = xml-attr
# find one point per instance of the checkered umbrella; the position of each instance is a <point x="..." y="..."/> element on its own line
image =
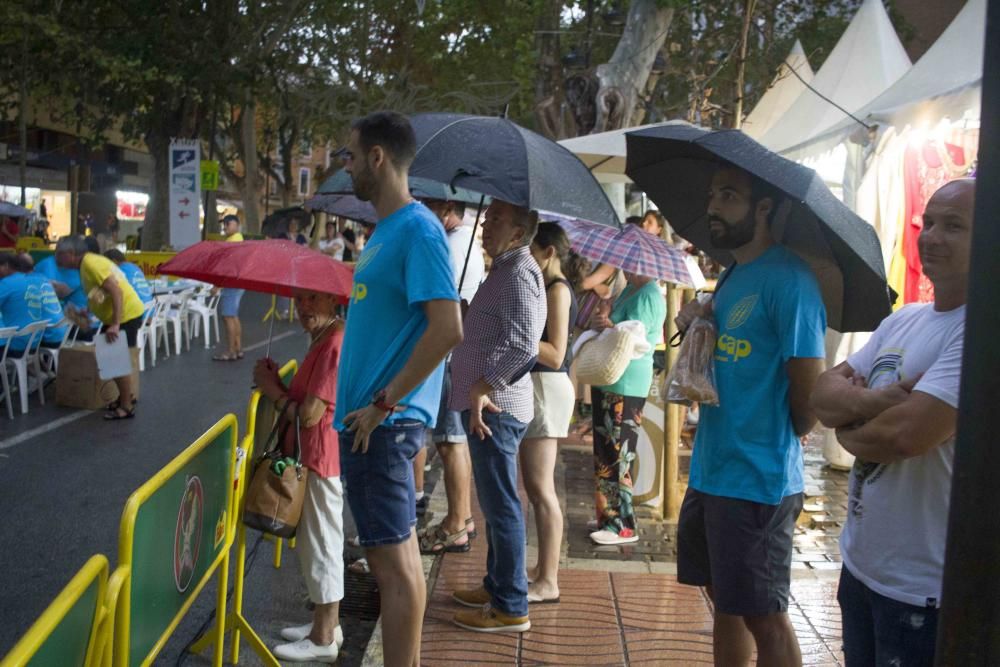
<point x="633" y="250"/>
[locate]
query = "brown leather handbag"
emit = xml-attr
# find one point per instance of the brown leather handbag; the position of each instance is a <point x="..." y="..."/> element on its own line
<point x="273" y="502"/>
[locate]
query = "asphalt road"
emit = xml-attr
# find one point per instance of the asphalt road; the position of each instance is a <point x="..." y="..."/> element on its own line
<point x="63" y="489"/>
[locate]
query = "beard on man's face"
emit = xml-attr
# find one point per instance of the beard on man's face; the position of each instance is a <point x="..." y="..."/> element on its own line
<point x="363" y="184"/>
<point x="732" y="234"/>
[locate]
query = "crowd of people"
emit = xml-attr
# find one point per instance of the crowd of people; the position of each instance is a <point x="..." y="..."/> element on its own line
<point x="435" y="346"/>
<point x="76" y="287"/>
<point x="484" y="365"/>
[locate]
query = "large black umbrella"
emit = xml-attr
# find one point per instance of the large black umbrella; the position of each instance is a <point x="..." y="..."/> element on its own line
<point x="423" y="188"/>
<point x="674" y="165"/>
<point x="345" y="206"/>
<point x="497" y="157"/>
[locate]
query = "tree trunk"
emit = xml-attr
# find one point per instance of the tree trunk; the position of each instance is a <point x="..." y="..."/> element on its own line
<point x="250" y="184"/>
<point x="623" y="78"/>
<point x="156" y="225"/>
<point x="741" y="65"/>
<point x="548" y="74"/>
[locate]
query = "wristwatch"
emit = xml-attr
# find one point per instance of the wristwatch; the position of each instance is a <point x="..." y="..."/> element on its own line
<point x="380" y="402"/>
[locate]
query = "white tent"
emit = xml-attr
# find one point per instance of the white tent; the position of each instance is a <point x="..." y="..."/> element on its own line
<point x="945" y="82"/>
<point x="604" y="152"/>
<point x="783" y="91"/>
<point x="865" y="62"/>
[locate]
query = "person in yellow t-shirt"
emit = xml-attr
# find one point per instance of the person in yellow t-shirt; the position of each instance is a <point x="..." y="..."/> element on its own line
<point x="229" y="302"/>
<point x="113" y="301"/>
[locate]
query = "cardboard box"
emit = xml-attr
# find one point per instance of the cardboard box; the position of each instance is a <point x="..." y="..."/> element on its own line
<point x="78" y="384"/>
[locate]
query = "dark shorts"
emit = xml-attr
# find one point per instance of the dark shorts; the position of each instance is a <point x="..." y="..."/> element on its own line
<point x="740" y="548"/>
<point x="379" y="483"/>
<point x="130" y="329"/>
<point x="881" y="631"/>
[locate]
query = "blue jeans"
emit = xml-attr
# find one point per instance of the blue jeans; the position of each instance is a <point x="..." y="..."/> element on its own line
<point x="879" y="631"/>
<point x="494" y="467"/>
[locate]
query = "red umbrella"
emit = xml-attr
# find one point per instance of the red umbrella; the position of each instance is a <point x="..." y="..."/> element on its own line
<point x="274" y="266"/>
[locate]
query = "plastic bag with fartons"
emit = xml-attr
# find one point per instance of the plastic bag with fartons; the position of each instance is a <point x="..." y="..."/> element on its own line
<point x="692" y="378"/>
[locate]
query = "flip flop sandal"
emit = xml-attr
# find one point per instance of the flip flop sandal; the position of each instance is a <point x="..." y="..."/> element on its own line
<point x="360" y="566"/>
<point x="442" y="542"/>
<point x="239" y="355"/>
<point x="473" y="534"/>
<point x="224" y="357"/>
<point x="112" y="415"/>
<point x="535" y="599"/>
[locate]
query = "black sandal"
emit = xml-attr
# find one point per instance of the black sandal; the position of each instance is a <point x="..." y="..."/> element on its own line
<point x="113" y="415"/>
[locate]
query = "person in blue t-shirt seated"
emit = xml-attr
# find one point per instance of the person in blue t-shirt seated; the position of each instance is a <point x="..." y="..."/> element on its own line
<point x="43" y="304"/>
<point x="13" y="302"/>
<point x="136" y="278"/>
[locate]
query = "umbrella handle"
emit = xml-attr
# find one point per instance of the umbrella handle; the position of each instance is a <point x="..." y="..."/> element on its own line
<point x="472" y="243"/>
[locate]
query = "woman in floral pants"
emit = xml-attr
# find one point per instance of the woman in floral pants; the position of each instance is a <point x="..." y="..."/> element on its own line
<point x="618" y="413"/>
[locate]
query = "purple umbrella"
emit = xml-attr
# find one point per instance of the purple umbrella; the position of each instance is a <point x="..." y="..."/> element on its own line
<point x="632" y="250"/>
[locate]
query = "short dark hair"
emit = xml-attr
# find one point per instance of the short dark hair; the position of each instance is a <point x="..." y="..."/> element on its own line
<point x="226" y="219"/>
<point x="390" y="130"/>
<point x="760" y="190"/>
<point x="457" y="207"/>
<point x="10" y="260"/>
<point x="633" y="220"/>
<point x="92" y="244"/>
<point x="115" y="255"/>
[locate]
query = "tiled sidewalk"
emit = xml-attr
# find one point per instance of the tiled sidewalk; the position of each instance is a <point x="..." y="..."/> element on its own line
<point x="612" y="618"/>
<point x="623" y="605"/>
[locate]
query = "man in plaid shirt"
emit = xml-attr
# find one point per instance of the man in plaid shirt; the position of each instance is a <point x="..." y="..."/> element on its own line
<point x="492" y="389"/>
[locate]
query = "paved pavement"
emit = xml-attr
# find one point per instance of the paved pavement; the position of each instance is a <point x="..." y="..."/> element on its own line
<point x="66" y="475"/>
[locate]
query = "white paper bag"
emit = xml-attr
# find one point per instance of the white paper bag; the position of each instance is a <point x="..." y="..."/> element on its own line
<point x="113" y="359"/>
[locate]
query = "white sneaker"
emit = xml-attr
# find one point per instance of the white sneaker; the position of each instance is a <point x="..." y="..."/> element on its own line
<point x="611" y="537"/>
<point x="300" y="632"/>
<point x="305" y="651"/>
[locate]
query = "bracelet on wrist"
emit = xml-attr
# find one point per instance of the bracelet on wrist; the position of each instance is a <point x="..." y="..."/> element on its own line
<point x="380" y="401"/>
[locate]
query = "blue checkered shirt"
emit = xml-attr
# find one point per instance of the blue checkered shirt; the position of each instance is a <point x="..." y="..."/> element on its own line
<point x="501" y="332"/>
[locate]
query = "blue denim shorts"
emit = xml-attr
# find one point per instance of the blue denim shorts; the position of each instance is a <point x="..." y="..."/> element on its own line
<point x="380" y="482"/>
<point x="448" y="427"/>
<point x="229" y="302"/>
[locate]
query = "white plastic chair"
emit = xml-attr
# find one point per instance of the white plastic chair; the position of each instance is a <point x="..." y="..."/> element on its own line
<point x="34" y="333"/>
<point x="5" y="378"/>
<point x="147" y="333"/>
<point x="204" y="310"/>
<point x="48" y="357"/>
<point x="176" y="314"/>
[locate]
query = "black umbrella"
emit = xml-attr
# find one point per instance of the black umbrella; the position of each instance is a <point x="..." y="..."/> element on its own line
<point x="345" y="206"/>
<point x="499" y="158"/>
<point x="674" y="165"/>
<point x="422" y="188"/>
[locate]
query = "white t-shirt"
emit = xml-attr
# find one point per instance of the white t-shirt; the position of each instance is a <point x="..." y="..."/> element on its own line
<point x="897" y="513"/>
<point x="458" y="244"/>
<point x="337" y="244"/>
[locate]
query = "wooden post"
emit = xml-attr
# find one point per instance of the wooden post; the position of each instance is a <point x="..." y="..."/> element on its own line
<point x="671" y="420"/>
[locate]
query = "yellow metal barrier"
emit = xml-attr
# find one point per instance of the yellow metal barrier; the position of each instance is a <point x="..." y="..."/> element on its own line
<point x="25" y="243"/>
<point x="66" y="633"/>
<point x="273" y="310"/>
<point x="259" y="410"/>
<point x="109" y="615"/>
<point x="193" y="496"/>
